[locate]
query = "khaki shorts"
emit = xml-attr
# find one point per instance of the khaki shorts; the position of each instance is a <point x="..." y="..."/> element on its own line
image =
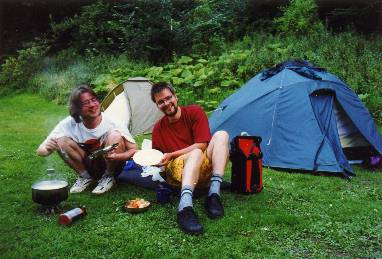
<point x="174" y="169"/>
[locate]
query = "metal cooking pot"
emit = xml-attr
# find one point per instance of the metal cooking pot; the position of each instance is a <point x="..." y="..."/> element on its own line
<point x="50" y="192"/>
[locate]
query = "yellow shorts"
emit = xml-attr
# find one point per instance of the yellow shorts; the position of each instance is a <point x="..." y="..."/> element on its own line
<point x="174" y="169"/>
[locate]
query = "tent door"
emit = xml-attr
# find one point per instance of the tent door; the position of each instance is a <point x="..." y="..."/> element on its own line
<point x="322" y="102"/>
<point x="354" y="144"/>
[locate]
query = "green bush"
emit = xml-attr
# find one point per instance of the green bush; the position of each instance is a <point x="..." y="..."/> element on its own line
<point x="57" y="84"/>
<point x="16" y="71"/>
<point x="208" y="80"/>
<point x="300" y="17"/>
<point x="55" y="81"/>
<point x="141" y="29"/>
<point x="118" y="69"/>
<point x="152" y="30"/>
<point x="202" y="77"/>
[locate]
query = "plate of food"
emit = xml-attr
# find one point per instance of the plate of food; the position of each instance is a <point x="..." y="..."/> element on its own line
<point x="137" y="205"/>
<point x="147" y="157"/>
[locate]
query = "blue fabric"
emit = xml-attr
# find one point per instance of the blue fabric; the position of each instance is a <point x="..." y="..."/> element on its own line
<point x="298" y="128"/>
<point x="301" y="67"/>
<point x="131" y="173"/>
<point x="323" y="110"/>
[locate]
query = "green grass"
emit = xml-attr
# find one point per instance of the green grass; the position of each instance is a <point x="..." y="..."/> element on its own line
<point x="296" y="215"/>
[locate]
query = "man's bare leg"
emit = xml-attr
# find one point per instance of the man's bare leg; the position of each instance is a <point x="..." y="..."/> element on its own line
<point x="186" y="217"/>
<point x="190" y="176"/>
<point x="107" y="180"/>
<point x="217" y="152"/>
<point x="74" y="155"/>
<point x="192" y="163"/>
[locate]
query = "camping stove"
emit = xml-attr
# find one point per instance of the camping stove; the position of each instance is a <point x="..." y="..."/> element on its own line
<point x="50" y="209"/>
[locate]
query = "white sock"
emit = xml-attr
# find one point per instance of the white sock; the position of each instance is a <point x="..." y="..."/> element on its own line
<point x="216" y="180"/>
<point x="185" y="198"/>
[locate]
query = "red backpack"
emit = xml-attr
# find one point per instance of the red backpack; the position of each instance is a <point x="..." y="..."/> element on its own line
<point x="247" y="168"/>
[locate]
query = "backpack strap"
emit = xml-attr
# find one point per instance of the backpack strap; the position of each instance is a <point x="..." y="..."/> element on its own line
<point x="253" y="154"/>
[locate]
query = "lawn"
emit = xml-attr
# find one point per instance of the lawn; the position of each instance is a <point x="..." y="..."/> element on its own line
<point x="296" y="215"/>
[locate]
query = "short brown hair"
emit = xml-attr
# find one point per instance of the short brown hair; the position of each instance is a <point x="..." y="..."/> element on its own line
<point x="75" y="104"/>
<point x="159" y="87"/>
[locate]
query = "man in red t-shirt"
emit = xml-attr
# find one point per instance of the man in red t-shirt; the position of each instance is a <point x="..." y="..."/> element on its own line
<point x="192" y="157"/>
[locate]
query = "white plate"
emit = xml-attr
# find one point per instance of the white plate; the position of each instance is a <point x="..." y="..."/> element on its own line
<point x="147" y="157"/>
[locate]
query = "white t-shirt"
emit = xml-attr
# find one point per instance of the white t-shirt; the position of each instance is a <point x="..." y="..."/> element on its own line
<point x="68" y="127"/>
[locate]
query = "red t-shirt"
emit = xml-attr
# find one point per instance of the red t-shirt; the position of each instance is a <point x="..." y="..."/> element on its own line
<point x="192" y="127"/>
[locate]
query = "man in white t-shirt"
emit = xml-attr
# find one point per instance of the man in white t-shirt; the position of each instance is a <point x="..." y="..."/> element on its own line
<point x="81" y="133"/>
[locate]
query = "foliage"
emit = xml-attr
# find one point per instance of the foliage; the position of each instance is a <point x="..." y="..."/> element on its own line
<point x="341" y="18"/>
<point x="152" y="30"/>
<point x="142" y="29"/>
<point x="57" y="85"/>
<point x="207" y="80"/>
<point x="60" y="76"/>
<point x="300" y="17"/>
<point x="16" y="71"/>
<point x="204" y="28"/>
<point x="116" y="72"/>
<point x="205" y="67"/>
<point x="296" y="215"/>
<point x="199" y="80"/>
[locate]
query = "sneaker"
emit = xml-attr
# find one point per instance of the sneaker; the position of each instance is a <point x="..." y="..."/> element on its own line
<point x="214" y="206"/>
<point x="81" y="184"/>
<point x="104" y="184"/>
<point x="188" y="221"/>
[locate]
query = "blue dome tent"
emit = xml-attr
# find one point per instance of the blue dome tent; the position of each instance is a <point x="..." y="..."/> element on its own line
<point x="307" y="118"/>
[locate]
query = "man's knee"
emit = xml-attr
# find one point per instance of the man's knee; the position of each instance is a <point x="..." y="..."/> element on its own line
<point x="64" y="142"/>
<point x="221" y="136"/>
<point x="114" y="135"/>
<point x="195" y="154"/>
<point x="68" y="147"/>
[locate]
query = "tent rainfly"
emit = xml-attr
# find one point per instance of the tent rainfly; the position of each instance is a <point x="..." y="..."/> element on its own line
<point x="307" y="118"/>
<point x="130" y="104"/>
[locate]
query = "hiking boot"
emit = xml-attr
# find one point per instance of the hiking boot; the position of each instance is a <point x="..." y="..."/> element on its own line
<point x="188" y="221"/>
<point x="104" y="184"/>
<point x="214" y="206"/>
<point x="81" y="184"/>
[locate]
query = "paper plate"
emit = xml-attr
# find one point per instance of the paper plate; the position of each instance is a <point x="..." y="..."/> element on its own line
<point x="147" y="157"/>
<point x="136" y="210"/>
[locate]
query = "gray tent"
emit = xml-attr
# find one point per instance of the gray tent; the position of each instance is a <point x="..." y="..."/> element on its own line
<point x="130" y="104"/>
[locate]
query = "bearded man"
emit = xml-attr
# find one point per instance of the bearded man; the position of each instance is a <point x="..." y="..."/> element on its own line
<point x="192" y="157"/>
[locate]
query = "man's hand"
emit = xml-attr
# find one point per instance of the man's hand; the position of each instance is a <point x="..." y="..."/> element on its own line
<point x="112" y="156"/>
<point x="48" y="148"/>
<point x="165" y="159"/>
